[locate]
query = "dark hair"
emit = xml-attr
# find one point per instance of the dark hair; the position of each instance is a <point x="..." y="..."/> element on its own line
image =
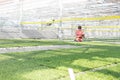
<point x="79" y="27"/>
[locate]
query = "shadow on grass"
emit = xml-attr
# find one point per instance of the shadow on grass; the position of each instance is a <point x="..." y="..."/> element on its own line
<point x="112" y="73"/>
<point x="59" y="59"/>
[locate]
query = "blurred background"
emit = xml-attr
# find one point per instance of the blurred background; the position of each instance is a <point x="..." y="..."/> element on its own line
<point x="58" y="19"/>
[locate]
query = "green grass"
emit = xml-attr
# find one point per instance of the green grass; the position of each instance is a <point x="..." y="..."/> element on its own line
<point x="28" y="42"/>
<point x="54" y="64"/>
<point x="112" y="73"/>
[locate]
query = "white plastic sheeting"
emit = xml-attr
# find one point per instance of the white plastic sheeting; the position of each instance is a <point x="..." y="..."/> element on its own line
<point x="47" y="10"/>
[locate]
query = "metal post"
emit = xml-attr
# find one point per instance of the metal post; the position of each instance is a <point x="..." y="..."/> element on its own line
<point x="19" y="4"/>
<point x="21" y="14"/>
<point x="60" y="33"/>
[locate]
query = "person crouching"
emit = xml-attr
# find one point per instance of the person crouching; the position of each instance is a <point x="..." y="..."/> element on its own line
<point x="79" y="34"/>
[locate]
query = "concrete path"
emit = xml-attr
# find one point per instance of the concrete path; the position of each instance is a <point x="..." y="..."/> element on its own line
<point x="35" y="48"/>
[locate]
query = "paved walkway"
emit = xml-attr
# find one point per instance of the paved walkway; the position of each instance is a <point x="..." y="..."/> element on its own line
<point x="35" y="48"/>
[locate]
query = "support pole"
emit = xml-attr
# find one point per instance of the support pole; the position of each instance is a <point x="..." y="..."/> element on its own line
<point x="60" y="33"/>
<point x="19" y="4"/>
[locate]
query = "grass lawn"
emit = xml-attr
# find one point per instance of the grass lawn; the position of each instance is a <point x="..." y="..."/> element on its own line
<point x="28" y="42"/>
<point x="54" y="64"/>
<point x="112" y="73"/>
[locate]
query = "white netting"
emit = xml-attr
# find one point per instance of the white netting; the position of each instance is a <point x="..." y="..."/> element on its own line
<point x="44" y="21"/>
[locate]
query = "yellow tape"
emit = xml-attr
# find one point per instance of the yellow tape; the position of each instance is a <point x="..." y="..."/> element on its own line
<point x="102" y="31"/>
<point x="75" y="19"/>
<point x="97" y="18"/>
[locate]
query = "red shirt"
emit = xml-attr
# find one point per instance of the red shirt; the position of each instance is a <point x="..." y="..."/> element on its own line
<point x="79" y="33"/>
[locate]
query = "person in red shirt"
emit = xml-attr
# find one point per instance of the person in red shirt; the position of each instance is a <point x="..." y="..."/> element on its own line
<point x="79" y="34"/>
